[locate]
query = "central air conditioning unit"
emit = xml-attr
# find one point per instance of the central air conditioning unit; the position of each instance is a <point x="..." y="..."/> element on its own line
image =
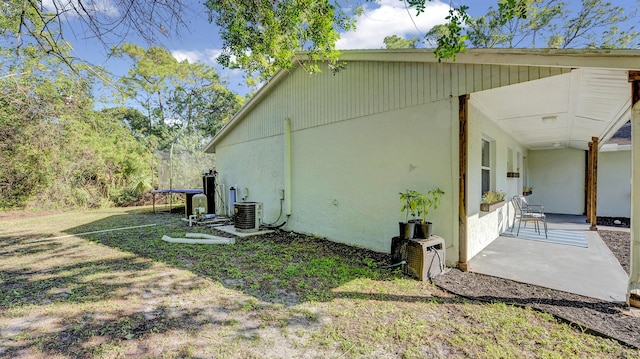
<point x="248" y="216"/>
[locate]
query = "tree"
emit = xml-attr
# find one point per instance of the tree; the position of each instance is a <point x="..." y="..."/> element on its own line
<point x="55" y="151"/>
<point x="552" y="23"/>
<point x="397" y="42"/>
<point x="258" y="36"/>
<point x="263" y="36"/>
<point x="41" y="23"/>
<point x="582" y="29"/>
<point x="179" y="98"/>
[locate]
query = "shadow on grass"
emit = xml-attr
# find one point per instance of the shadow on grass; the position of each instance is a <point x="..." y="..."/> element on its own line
<point x="82" y="336"/>
<point x="280" y="267"/>
<point x="68" y="283"/>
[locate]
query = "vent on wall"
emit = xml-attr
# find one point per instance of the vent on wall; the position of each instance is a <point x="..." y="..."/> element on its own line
<point x="248" y="216"/>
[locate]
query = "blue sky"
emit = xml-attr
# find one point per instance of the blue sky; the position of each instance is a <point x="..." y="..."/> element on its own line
<point x="200" y="41"/>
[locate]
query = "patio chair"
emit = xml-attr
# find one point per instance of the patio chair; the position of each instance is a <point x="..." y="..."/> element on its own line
<point x="525" y="212"/>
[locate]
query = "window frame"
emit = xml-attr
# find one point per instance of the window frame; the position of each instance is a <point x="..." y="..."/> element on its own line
<point x="486" y="184"/>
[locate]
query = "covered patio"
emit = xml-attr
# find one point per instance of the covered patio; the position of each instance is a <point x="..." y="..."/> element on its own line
<point x="592" y="271"/>
<point x="547" y="133"/>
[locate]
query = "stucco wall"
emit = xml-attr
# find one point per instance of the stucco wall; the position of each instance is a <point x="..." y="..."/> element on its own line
<point x="614" y="184"/>
<point x="359" y="137"/>
<point x="484" y="227"/>
<point x="346" y="176"/>
<point x="257" y="166"/>
<point x="558" y="180"/>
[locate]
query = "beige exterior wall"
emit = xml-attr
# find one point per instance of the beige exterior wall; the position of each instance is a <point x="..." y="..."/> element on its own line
<point x="614" y="184"/>
<point x="558" y="180"/>
<point x="367" y="88"/>
<point x="360" y="137"/>
<point x="257" y="166"/>
<point x="346" y="177"/>
<point x="507" y="156"/>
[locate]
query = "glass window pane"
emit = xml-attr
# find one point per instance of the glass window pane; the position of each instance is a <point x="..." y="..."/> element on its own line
<point x="486" y="154"/>
<point x="486" y="181"/>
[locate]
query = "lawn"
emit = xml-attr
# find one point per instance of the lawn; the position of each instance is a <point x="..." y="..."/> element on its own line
<point x="126" y="293"/>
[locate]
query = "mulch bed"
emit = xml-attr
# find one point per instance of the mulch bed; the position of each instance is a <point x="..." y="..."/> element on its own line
<point x="599" y="317"/>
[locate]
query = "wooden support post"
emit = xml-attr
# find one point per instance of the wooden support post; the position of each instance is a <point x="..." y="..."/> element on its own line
<point x="589" y="183"/>
<point x="463" y="149"/>
<point x="633" y="291"/>
<point x="594" y="184"/>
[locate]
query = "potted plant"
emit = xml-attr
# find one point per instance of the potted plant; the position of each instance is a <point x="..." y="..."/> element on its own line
<point x="527" y="190"/>
<point x="492" y="200"/>
<point x="426" y="202"/>
<point x="409" y="200"/>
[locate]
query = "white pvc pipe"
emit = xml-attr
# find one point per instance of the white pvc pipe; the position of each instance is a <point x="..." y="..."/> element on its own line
<point x="287" y="166"/>
<point x="201" y="235"/>
<point x="207" y="240"/>
<point x="92" y="232"/>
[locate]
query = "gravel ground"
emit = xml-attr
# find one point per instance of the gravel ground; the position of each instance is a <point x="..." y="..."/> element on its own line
<point x="613" y="320"/>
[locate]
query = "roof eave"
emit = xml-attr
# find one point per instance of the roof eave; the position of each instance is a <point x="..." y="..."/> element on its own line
<point x="574" y="58"/>
<point x="571" y="58"/>
<point x="255" y="100"/>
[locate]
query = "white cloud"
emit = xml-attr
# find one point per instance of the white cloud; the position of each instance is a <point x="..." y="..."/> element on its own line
<point x="392" y="18"/>
<point x="191" y="56"/>
<point x="72" y="7"/>
<point x="206" y="56"/>
<point x="234" y="77"/>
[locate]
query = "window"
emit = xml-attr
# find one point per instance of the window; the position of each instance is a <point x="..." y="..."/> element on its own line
<point x="486" y="166"/>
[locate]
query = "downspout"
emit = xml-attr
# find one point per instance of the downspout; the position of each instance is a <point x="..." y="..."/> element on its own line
<point x="287" y="166"/>
<point x="633" y="291"/>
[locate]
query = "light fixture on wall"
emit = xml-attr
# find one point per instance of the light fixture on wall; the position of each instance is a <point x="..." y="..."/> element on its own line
<point x="549" y="119"/>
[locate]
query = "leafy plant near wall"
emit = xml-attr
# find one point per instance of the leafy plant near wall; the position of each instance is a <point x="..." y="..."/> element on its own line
<point x="493" y="197"/>
<point x="427" y="202"/>
<point x="418" y="205"/>
<point x="410" y="201"/>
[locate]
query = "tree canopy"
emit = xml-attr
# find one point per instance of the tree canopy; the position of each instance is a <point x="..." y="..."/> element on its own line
<point x="55" y="150"/>
<point x="258" y="36"/>
<point x="552" y="24"/>
<point x="264" y="36"/>
<point x="179" y="98"/>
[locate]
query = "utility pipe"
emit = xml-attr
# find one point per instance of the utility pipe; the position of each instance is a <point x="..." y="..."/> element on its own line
<point x="199" y="238"/>
<point x="92" y="232"/>
<point x="287" y="166"/>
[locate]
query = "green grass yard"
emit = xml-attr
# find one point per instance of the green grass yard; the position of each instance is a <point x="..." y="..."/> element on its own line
<point x="128" y="294"/>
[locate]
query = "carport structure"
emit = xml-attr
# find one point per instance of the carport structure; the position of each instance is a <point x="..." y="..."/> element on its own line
<point x="595" y="93"/>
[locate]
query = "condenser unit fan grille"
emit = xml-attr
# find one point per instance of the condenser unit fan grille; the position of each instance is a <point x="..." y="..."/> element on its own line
<point x="247" y="216"/>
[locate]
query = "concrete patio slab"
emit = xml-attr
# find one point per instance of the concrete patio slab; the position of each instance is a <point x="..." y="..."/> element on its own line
<point x="592" y="272"/>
